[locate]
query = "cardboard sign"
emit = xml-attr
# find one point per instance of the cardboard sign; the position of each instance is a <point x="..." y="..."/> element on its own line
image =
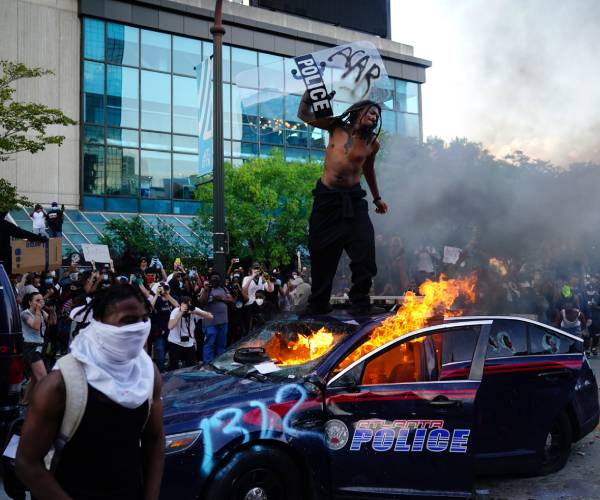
<point x="451" y="255"/>
<point x="36" y="256"/>
<point x="96" y="253"/>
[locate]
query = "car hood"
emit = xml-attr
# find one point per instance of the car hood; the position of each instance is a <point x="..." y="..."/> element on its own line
<point x="193" y="393"/>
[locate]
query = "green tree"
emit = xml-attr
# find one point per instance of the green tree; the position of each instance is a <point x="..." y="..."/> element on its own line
<point x="267" y="205"/>
<point x="130" y="240"/>
<point x="10" y="199"/>
<point x="23" y="124"/>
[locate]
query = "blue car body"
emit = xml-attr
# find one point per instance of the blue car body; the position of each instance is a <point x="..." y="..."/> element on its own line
<point x="489" y="405"/>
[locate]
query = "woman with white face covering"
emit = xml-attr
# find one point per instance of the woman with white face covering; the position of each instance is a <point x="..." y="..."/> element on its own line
<point x="117" y="451"/>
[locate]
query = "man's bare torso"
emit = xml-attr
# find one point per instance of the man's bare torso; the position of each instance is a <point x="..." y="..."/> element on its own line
<point x="345" y="158"/>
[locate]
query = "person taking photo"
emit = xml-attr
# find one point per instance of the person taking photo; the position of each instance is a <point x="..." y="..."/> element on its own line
<point x="182" y="323"/>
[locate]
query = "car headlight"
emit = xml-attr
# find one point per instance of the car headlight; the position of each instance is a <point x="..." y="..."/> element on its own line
<point x="179" y="442"/>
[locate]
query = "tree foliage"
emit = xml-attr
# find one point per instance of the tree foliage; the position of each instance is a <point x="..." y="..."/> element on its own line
<point x="23" y="125"/>
<point x="130" y="240"/>
<point x="267" y="205"/>
<point x="10" y="199"/>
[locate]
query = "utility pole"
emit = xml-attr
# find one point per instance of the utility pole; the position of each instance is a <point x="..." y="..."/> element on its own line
<point x="218" y="30"/>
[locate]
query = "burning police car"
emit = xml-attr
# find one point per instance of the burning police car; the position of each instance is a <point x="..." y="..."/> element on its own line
<point x="379" y="406"/>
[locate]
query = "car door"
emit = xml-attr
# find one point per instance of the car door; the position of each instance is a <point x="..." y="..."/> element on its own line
<point x="556" y="359"/>
<point x="504" y="400"/>
<point x="399" y="420"/>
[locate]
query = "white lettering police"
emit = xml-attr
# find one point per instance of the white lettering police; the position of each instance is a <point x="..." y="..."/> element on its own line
<point x="409" y="436"/>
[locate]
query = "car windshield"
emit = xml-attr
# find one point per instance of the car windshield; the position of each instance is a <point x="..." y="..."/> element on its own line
<point x="287" y="349"/>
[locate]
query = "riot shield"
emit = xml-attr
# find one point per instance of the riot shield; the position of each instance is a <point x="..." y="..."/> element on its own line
<point x="333" y="79"/>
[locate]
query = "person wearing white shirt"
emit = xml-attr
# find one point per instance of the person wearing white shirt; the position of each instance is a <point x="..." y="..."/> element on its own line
<point x="182" y="324"/>
<point x="257" y="280"/>
<point x="39" y="220"/>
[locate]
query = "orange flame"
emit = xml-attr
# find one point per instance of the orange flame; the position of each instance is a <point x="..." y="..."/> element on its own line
<point x="436" y="300"/>
<point x="295" y="352"/>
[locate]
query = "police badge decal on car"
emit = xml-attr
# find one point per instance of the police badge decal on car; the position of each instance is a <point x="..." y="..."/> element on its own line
<point x="336" y="434"/>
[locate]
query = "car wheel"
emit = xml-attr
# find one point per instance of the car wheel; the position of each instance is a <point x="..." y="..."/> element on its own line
<point x="556" y="445"/>
<point x="257" y="473"/>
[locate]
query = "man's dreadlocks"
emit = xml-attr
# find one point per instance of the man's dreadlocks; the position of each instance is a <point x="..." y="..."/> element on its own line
<point x="349" y="117"/>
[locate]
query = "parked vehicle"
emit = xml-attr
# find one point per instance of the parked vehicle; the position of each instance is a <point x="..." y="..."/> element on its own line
<point x="11" y="354"/>
<point x="11" y="378"/>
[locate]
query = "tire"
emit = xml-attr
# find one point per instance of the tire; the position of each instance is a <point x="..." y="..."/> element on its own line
<point x="556" y="446"/>
<point x="256" y="473"/>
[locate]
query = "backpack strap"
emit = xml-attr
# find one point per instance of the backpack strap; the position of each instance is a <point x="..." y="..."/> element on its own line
<point x="150" y="398"/>
<point x="75" y="402"/>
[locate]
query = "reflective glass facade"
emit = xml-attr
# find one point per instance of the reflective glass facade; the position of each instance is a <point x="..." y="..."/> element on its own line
<point x="139" y="109"/>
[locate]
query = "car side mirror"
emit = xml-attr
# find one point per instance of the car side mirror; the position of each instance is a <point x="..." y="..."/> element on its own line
<point x="315" y="380"/>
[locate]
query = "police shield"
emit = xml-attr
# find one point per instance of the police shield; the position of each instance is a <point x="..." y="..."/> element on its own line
<point x="333" y="79"/>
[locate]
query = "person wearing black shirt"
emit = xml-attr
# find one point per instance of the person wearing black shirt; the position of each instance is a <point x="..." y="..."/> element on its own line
<point x="162" y="305"/>
<point x="54" y="220"/>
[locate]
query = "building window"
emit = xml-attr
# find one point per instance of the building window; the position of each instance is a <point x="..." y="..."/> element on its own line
<point x="271" y="118"/>
<point x="122" y="171"/>
<point x="185" y="105"/>
<point x="93" y="48"/>
<point x="156" y="101"/>
<point x="187" y="54"/>
<point x="122" y="45"/>
<point x="122" y="137"/>
<point x="93" y="169"/>
<point x="155" y="174"/>
<point x="122" y="101"/>
<point x="185" y="171"/>
<point x="156" y="50"/>
<point x="93" y="92"/>
<point x="407" y="96"/>
<point x="244" y="61"/>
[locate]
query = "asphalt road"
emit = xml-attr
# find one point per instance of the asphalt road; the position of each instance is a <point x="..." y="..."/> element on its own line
<point x="578" y="480"/>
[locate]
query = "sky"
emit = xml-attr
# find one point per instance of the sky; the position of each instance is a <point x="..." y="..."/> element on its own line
<point x="511" y="74"/>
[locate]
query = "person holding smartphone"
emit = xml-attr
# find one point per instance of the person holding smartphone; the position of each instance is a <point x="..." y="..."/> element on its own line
<point x="216" y="298"/>
<point x="182" y="323"/>
<point x="33" y="324"/>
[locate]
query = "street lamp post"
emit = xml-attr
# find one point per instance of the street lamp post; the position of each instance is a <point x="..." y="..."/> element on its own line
<point x="218" y="30"/>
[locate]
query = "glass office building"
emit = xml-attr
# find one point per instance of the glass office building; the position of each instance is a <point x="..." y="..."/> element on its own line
<point x="139" y="110"/>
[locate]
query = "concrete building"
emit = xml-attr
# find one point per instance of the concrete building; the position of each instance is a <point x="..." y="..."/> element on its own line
<point x="124" y="70"/>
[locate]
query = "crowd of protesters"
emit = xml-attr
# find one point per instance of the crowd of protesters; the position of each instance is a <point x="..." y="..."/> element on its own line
<point x="565" y="296"/>
<point x="194" y="313"/>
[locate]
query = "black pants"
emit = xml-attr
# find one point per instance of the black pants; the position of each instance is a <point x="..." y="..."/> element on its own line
<point x="186" y="354"/>
<point x="340" y="221"/>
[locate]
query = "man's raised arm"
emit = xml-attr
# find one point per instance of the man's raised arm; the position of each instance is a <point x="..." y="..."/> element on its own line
<point x="307" y="115"/>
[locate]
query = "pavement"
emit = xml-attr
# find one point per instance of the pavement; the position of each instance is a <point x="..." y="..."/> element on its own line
<point x="578" y="480"/>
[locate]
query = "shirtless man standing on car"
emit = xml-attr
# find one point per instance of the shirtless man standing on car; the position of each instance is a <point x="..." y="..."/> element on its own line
<point x="340" y="219"/>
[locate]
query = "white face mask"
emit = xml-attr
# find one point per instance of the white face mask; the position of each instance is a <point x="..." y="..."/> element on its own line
<point x="259" y="302"/>
<point x="120" y="343"/>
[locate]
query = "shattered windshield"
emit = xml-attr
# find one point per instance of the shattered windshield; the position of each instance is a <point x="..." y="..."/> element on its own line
<point x="287" y="349"/>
